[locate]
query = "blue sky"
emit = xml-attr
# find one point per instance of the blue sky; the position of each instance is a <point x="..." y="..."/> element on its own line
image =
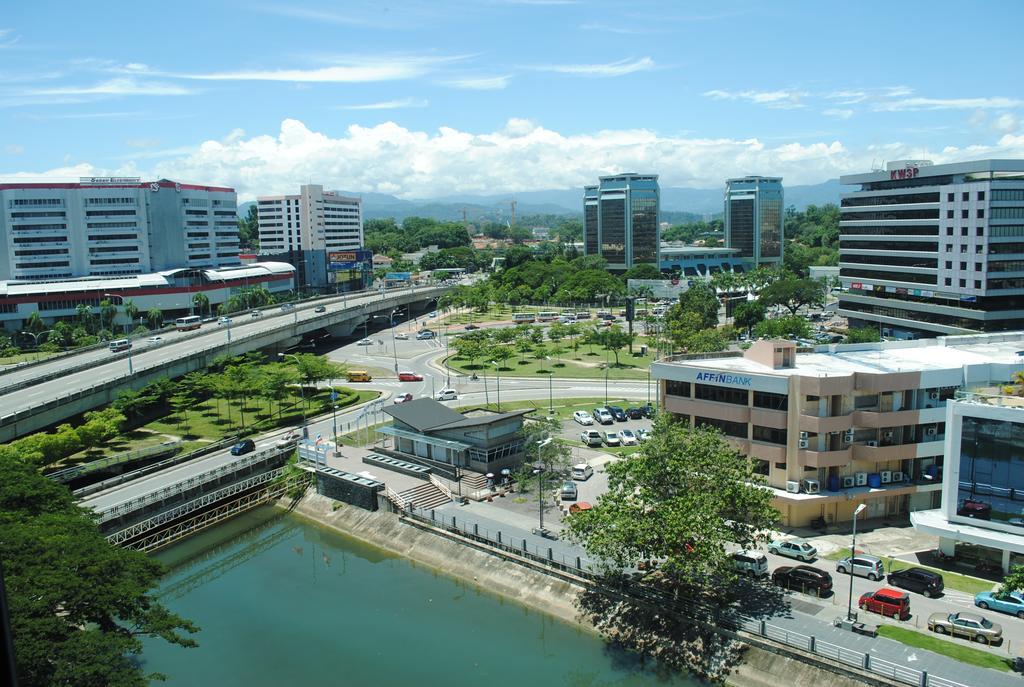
<point x="425" y="99"/>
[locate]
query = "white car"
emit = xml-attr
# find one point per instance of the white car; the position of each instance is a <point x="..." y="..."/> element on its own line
<point x="402" y="336"/>
<point x="446" y="395"/>
<point x="800" y="550"/>
<point x="583" y="417"/>
<point x="642" y="435"/>
<point x="288" y="439"/>
<point x="364" y="342"/>
<point x="224" y="321"/>
<point x="155" y="340"/>
<point x="628" y="438"/>
<point x="612" y="439"/>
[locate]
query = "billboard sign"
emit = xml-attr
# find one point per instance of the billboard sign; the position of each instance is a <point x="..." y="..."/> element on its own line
<point x="342" y="256"/>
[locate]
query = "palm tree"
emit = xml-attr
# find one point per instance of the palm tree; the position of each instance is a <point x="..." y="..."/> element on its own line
<point x="34" y="323"/>
<point x="155" y="317"/>
<point x="131" y="311"/>
<point x="84" y="314"/>
<point x="202" y="302"/>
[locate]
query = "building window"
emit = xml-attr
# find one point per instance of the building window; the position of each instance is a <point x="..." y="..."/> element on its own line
<point x="732" y="429"/>
<point x="949" y="282"/>
<point x="721" y="394"/>
<point x="949" y="197"/>
<point x="674" y="388"/>
<point x="977" y="283"/>
<point x="963" y="248"/>
<point x="770" y="435"/>
<point x="977" y="267"/>
<point x="963" y="265"/>
<point x="963" y="214"/>
<point x="963" y="231"/>
<point x="963" y="283"/>
<point x="949" y="231"/>
<point x="763" y="399"/>
<point x="981" y="195"/>
<point x="966" y="196"/>
<point x="981" y="213"/>
<point x="949" y="247"/>
<point x="949" y="214"/>
<point x="949" y="264"/>
<point x="980" y="231"/>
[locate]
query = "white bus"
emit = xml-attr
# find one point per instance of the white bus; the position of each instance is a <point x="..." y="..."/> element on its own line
<point x="547" y="316"/>
<point x="522" y="317"/>
<point x="184" y="324"/>
<point x="120" y="345"/>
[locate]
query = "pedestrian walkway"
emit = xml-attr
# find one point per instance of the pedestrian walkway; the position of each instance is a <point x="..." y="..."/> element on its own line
<point x="801" y="617"/>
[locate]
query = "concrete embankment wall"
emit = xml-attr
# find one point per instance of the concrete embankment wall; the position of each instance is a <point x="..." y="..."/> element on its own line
<point x="538" y="590"/>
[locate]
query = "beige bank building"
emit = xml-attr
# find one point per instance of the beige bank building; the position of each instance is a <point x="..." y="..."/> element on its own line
<point x="837" y="426"/>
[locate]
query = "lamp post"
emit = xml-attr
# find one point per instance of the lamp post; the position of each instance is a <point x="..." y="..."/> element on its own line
<point x="606" y="385"/>
<point x="114" y="295"/>
<point x="648" y="386"/>
<point x="551" y="399"/>
<point x="497" y="377"/>
<point x="302" y="394"/>
<point x="853" y="552"/>
<point x="394" y="346"/>
<point x="35" y="338"/>
<point x="447" y="369"/>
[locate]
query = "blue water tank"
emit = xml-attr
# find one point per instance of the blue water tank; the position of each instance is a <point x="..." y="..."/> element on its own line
<point x="874" y="480"/>
<point x="834" y="482"/>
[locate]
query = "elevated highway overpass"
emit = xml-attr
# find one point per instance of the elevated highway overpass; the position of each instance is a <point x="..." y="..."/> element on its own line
<point x="42" y="395"/>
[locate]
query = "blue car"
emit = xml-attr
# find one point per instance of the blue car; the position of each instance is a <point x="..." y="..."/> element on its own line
<point x="1012" y="603"/>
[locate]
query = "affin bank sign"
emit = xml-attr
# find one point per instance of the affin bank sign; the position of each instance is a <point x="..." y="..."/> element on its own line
<point x="724" y="378"/>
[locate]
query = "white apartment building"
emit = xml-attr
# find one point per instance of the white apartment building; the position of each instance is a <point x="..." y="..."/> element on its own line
<point x="312" y="220"/>
<point x="927" y="249"/>
<point x="843" y="425"/>
<point x="113" y="226"/>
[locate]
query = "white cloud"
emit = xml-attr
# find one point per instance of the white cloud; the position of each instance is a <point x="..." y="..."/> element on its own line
<point x="115" y="87"/>
<point x="780" y="99"/>
<point x="520" y="156"/>
<point x="388" y="104"/>
<point x="359" y="70"/>
<point x="618" y="68"/>
<point x="910" y="104"/>
<point x="8" y="38"/>
<point x="484" y="83"/>
<point x="838" y="112"/>
<point x="1006" y="123"/>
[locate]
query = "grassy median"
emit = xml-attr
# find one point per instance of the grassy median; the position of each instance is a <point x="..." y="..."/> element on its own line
<point x="951" y="648"/>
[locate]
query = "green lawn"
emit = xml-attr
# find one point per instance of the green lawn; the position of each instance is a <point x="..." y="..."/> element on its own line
<point x="24" y="357"/>
<point x="952" y="580"/>
<point x="215" y="419"/>
<point x="955" y="649"/>
<point x="571" y="365"/>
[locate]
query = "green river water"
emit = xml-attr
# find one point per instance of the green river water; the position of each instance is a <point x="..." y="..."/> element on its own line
<point x="283" y="602"/>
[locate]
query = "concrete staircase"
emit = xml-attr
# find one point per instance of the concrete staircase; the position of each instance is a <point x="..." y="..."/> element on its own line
<point x="424" y="495"/>
<point x="473" y="481"/>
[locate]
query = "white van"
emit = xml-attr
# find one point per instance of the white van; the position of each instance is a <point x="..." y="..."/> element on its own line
<point x="447" y="395"/>
<point x="582" y="472"/>
<point x="751" y="563"/>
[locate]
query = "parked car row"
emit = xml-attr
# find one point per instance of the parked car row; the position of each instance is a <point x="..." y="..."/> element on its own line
<point x="626" y="437"/>
<point x="608" y="415"/>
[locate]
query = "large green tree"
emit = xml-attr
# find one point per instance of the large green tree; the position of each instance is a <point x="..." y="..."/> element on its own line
<point x="78" y="605"/>
<point x="249" y="229"/>
<point x="699" y="299"/>
<point x="684" y="499"/>
<point x="793" y="293"/>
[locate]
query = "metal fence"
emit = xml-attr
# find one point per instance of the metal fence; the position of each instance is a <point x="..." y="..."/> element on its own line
<point x="68" y="474"/>
<point x="706" y="614"/>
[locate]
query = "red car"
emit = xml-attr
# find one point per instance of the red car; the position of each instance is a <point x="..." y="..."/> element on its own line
<point x="409" y="377"/>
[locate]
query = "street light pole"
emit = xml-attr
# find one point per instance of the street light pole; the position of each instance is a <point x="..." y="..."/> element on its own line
<point x="853" y="552"/>
<point x="606" y="385"/>
<point x="394" y="345"/>
<point x="497" y="377"/>
<point x="538" y="469"/>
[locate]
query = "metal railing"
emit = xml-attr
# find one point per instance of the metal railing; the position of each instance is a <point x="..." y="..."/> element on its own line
<point x="396" y="499"/>
<point x="68" y="474"/>
<point x="711" y="616"/>
<point x="182" y="486"/>
<point x="203" y="501"/>
<point x="441" y="486"/>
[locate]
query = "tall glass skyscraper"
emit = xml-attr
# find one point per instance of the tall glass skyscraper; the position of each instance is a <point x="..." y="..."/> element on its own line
<point x="620" y="220"/>
<point x="754" y="218"/>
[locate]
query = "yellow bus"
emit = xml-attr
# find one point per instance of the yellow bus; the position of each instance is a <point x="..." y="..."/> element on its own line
<point x="359" y="376"/>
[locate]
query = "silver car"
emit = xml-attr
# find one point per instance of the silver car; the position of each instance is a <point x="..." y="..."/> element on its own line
<point x="862" y="565"/>
<point x="800" y="550"/>
<point x="968" y="625"/>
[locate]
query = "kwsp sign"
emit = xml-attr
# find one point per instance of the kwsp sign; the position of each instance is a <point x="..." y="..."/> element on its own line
<point x="723" y="378"/>
<point x="905" y="173"/>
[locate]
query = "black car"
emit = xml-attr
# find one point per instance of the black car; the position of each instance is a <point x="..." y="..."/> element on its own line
<point x="917" y="580"/>
<point x="242" y="447"/>
<point x="635" y="413"/>
<point x="618" y="413"/>
<point x="803" y="578"/>
<point x="470" y="327"/>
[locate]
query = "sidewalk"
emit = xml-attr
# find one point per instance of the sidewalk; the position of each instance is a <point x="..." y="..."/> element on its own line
<point x="802" y="615"/>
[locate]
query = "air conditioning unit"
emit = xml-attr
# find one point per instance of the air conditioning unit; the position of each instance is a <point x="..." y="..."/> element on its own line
<point x="812" y="486"/>
<point x="792" y="486"/>
<point x="848" y="436"/>
<point x="873" y="443"/>
<point x="898" y="477"/>
<point x="849" y="482"/>
<point x="803" y="435"/>
<point x="933" y="396"/>
<point x="802" y="443"/>
<point x="930" y="431"/>
<point x="862" y="479"/>
<point x="887" y="436"/>
<point x="886" y="476"/>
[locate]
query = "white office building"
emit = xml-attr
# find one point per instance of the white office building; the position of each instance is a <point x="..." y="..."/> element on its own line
<point x="927" y="250"/>
<point x="113" y="226"/>
<point x="310" y="221"/>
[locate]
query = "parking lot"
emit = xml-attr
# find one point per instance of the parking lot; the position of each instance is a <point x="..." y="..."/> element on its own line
<point x="571" y="430"/>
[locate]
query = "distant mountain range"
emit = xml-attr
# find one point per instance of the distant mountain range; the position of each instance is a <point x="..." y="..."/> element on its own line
<point x="694" y="201"/>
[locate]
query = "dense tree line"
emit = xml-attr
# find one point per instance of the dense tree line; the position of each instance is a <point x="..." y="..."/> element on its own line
<point x="385" y="236"/>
